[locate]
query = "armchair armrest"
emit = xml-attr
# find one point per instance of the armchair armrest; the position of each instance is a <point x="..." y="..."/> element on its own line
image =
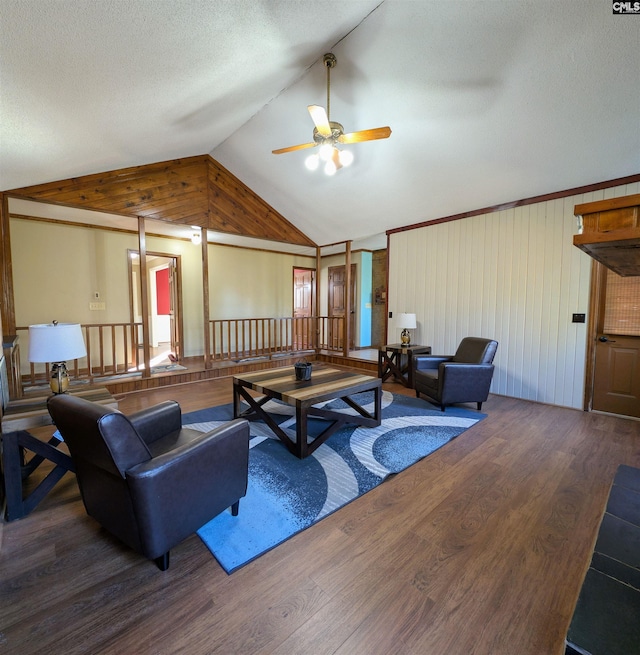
<point x="155" y="422"/>
<point x="429" y="362"/>
<point x="179" y="491"/>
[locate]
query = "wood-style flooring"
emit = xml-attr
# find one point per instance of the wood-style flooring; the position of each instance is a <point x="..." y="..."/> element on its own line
<point x="479" y="549"/>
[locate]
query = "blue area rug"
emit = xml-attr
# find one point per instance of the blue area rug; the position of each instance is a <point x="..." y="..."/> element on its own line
<point x="287" y="495"/>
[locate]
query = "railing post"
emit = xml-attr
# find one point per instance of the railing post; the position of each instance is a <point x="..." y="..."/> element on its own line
<point x="346" y="327"/>
<point x="144" y="295"/>
<point x="316" y="295"/>
<point x="204" y="248"/>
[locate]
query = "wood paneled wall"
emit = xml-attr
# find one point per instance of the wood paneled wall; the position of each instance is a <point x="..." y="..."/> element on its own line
<point x="513" y="275"/>
<point x="193" y="191"/>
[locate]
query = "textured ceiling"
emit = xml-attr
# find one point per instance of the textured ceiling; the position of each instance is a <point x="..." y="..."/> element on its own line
<point x="489" y="101"/>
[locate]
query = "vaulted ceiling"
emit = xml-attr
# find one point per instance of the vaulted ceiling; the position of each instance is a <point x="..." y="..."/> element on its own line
<point x="488" y="101"/>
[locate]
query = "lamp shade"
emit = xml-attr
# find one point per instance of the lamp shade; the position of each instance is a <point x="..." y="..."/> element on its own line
<point x="55" y="342"/>
<point x="406" y="321"/>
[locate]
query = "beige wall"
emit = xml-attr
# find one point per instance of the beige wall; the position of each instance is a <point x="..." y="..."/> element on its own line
<point x="252" y="283"/>
<point x="512" y="275"/>
<point x="57" y="268"/>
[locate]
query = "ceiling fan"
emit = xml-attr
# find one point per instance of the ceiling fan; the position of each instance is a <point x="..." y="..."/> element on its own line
<point x="328" y="134"/>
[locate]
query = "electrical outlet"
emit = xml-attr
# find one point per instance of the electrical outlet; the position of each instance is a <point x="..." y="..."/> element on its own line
<point x="96" y="306"/>
<point x="578" y="318"/>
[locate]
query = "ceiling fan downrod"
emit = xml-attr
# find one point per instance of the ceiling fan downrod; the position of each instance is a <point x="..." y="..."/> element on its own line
<point x="329" y="61"/>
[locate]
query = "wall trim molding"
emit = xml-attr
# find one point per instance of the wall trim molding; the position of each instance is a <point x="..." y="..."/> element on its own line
<point x="629" y="179"/>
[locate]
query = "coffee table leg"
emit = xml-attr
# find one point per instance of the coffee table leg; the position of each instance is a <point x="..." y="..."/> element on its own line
<point x="236" y="400"/>
<point x="377" y="414"/>
<point x="301" y="432"/>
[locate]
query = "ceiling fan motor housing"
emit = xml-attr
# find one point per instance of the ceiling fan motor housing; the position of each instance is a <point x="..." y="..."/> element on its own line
<point x="336" y="131"/>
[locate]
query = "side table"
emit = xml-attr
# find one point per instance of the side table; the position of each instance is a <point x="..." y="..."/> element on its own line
<point x="397" y="359"/>
<point x="18" y="416"/>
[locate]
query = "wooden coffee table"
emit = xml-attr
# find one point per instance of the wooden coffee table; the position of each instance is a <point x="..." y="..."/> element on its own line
<point x="325" y="384"/>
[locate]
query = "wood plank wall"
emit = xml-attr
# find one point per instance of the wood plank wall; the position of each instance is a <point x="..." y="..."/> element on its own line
<point x="513" y="275"/>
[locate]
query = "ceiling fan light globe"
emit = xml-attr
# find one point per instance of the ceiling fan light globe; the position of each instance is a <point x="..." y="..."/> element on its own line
<point x="346" y="157"/>
<point x="330" y="168"/>
<point x="312" y="162"/>
<point x="326" y="151"/>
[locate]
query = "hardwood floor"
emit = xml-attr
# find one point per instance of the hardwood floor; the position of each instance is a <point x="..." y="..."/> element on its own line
<point x="479" y="549"/>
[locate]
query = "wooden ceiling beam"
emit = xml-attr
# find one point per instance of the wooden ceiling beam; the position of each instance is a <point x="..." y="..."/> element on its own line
<point x="193" y="191"/>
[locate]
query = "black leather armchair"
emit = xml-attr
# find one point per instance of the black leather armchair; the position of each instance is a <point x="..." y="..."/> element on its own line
<point x="146" y="479"/>
<point x="461" y="378"/>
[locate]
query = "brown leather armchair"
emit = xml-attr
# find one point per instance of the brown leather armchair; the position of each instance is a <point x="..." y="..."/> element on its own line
<point x="461" y="378"/>
<point x="146" y="479"/>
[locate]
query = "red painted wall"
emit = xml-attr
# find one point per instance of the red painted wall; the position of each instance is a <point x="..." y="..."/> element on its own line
<point x="162" y="292"/>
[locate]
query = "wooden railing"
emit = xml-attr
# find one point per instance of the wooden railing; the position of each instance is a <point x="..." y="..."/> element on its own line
<point x="115" y="348"/>
<point x="235" y="339"/>
<point x="112" y="349"/>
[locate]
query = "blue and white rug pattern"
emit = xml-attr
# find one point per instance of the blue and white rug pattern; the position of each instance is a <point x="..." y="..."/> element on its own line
<point x="286" y="495"/>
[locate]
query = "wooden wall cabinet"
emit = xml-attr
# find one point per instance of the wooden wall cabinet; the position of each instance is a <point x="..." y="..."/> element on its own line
<point x="611" y="233"/>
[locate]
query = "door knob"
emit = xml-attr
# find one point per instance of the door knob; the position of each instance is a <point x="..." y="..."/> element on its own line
<point x="606" y="339"/>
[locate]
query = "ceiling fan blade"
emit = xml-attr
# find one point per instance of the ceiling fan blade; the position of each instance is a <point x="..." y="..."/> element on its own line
<point x="320" y="119"/>
<point x="302" y="146"/>
<point x="365" y="135"/>
<point x="335" y="157"/>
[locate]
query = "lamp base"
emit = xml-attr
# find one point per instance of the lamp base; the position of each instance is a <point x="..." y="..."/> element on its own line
<point x="59" y="378"/>
<point x="405" y="337"/>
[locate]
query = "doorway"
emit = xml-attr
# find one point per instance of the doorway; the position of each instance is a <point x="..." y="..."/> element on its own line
<point x="164" y="292"/>
<point x="303" y="308"/>
<point x="615" y="343"/>
<point x="337" y="305"/>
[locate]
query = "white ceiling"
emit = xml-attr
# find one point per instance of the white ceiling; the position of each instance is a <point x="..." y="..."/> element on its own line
<point x="489" y="101"/>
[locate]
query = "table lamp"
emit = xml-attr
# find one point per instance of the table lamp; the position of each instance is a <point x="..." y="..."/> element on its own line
<point x="55" y="343"/>
<point x="406" y="322"/>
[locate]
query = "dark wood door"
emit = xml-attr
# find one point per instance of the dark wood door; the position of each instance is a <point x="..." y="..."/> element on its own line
<point x="303" y="308"/>
<point x="337" y="305"/>
<point x="616" y="387"/>
<point x="617" y="375"/>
